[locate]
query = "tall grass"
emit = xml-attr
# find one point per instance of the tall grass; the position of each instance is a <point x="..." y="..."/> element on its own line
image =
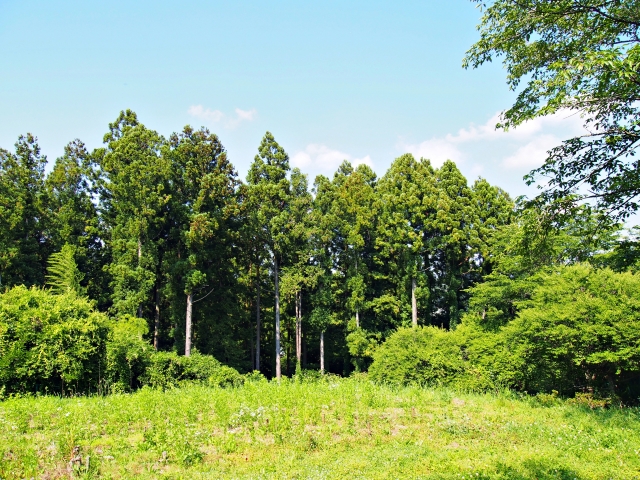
<point x="333" y="428"/>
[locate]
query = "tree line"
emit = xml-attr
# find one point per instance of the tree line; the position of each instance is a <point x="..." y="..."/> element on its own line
<point x="269" y="274"/>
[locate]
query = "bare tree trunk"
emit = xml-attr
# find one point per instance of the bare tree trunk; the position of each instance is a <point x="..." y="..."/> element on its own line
<point x="357" y="311"/>
<point x="414" y="304"/>
<point x="278" y="367"/>
<point x="258" y="322"/>
<point x="299" y="327"/>
<point x="139" y="261"/>
<point x="187" y="342"/>
<point x="322" y="351"/>
<point x="156" y="320"/>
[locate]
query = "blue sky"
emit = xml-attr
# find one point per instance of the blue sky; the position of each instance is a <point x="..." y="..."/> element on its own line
<point x="364" y="81"/>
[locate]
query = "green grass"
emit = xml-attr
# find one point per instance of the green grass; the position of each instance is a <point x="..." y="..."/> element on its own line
<point x="332" y="429"/>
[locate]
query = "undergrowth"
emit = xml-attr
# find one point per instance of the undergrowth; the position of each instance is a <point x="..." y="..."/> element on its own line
<point x="328" y="428"/>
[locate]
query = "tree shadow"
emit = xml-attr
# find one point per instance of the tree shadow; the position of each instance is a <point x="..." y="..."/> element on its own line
<point x="530" y="469"/>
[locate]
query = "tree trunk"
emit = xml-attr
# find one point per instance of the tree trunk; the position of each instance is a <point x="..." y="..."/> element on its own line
<point x="258" y="322"/>
<point x="187" y="342"/>
<point x="414" y="304"/>
<point x="299" y="328"/>
<point x="278" y="368"/>
<point x="357" y="319"/>
<point x="156" y="320"/>
<point x="139" y="261"/>
<point x="322" y="351"/>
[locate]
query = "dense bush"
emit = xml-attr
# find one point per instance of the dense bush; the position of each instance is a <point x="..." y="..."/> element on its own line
<point x="579" y="331"/>
<point x="427" y="356"/>
<point x="576" y="330"/>
<point x="50" y="343"/>
<point x="169" y="370"/>
<point x="58" y="343"/>
<point x="128" y="354"/>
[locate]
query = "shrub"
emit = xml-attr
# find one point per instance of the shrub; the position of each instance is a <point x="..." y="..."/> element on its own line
<point x="580" y="331"/>
<point x="50" y="343"/>
<point x="427" y="356"/>
<point x="255" y="376"/>
<point x="128" y="354"/>
<point x="225" y="377"/>
<point x="169" y="370"/>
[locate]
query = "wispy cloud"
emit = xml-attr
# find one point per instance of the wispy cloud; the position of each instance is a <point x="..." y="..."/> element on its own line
<point x="246" y="114"/>
<point x="206" y="115"/>
<point x="322" y="159"/>
<point x="533" y="153"/>
<point x="216" y="116"/>
<point x="523" y="147"/>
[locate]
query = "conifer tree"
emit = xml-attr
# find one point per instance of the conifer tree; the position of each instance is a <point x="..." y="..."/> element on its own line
<point x="269" y="196"/>
<point x="22" y="214"/>
<point x="407" y="194"/>
<point x="135" y="193"/>
<point x="73" y="218"/>
<point x="204" y="208"/>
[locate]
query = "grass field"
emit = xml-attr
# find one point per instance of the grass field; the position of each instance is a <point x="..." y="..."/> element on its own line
<point x="331" y="429"/>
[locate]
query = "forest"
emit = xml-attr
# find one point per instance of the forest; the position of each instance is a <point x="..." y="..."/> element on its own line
<point x="155" y="244"/>
<point x="164" y="230"/>
<point x="150" y="253"/>
<point x="162" y="316"/>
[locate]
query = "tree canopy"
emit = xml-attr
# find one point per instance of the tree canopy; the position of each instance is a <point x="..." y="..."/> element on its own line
<point x="576" y="57"/>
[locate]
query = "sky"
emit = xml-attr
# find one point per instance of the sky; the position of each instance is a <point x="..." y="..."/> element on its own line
<point x="364" y="81"/>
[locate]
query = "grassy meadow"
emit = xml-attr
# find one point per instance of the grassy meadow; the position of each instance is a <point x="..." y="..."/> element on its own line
<point x="335" y="428"/>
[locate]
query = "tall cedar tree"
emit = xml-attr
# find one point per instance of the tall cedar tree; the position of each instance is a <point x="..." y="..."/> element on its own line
<point x="22" y="214"/>
<point x="135" y="194"/>
<point x="204" y="209"/>
<point x="270" y="195"/>
<point x="73" y="218"/>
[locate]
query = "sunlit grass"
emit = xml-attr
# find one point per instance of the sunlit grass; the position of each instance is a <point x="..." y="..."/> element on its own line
<point x="330" y="429"/>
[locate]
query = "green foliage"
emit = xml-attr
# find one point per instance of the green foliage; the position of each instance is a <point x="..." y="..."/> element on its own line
<point x="577" y="56"/>
<point x="575" y="330"/>
<point x="63" y="275"/>
<point x="50" y="343"/>
<point x="128" y="354"/>
<point x="331" y="429"/>
<point x="579" y="330"/>
<point x="22" y="214"/>
<point x="135" y="190"/>
<point x="361" y="345"/>
<point x="428" y="356"/>
<point x="73" y="218"/>
<point x="169" y="370"/>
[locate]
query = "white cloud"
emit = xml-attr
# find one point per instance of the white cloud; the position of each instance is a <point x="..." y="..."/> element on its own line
<point x="248" y="115"/>
<point x="323" y="159"/>
<point x="438" y="150"/>
<point x="207" y="115"/>
<point x="533" y="154"/>
<point x="521" y="147"/>
<point x="366" y="160"/>
<point x="214" y="116"/>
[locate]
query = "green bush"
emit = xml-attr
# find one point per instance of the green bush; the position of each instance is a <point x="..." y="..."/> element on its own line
<point x="57" y="343"/>
<point x="255" y="376"/>
<point x="50" y="343"/>
<point x="128" y="354"/>
<point x="579" y="331"/>
<point x="428" y="356"/>
<point x="226" y="377"/>
<point x="169" y="370"/>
